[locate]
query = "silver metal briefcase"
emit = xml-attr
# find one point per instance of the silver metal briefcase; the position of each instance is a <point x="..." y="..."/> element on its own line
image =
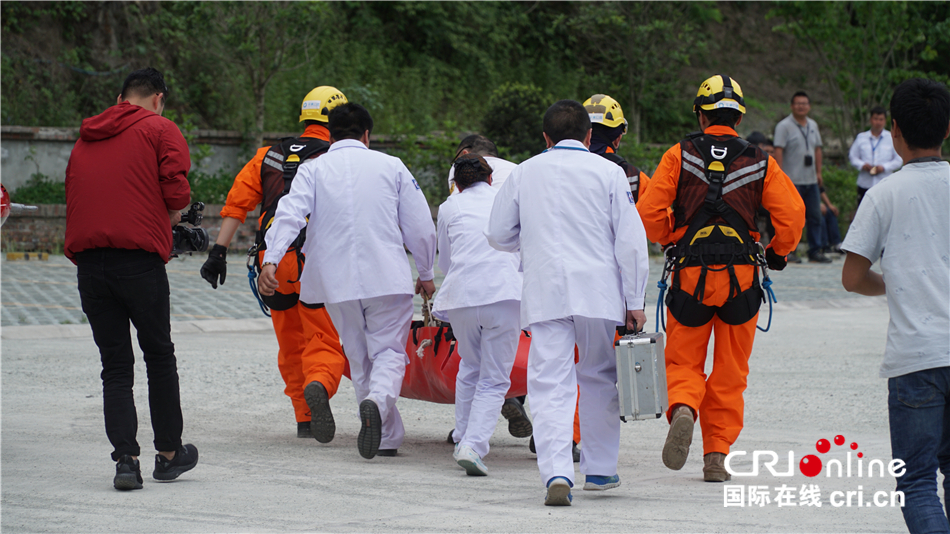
<point x="641" y="376"/>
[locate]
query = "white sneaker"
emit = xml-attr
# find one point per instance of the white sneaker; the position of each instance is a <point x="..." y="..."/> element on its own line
<point x="466" y="457"/>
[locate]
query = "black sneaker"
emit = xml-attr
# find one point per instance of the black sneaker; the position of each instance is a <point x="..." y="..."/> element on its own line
<point x="793" y="258"/>
<point x="303" y="430"/>
<point x="371" y="429"/>
<point x="450" y="440"/>
<point x="818" y="257"/>
<point x="387" y="452"/>
<point x="185" y="458"/>
<point x="322" y="425"/>
<point x="128" y="475"/>
<point x="531" y="446"/>
<point x="519" y="425"/>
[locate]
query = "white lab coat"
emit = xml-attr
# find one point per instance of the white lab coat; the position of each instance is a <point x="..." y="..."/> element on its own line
<point x="363" y="205"/>
<point x="583" y="246"/>
<point x="501" y="168"/>
<point x="475" y="273"/>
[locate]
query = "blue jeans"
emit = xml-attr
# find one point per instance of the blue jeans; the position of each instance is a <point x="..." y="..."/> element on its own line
<point x="919" y="413"/>
<point x="830" y="233"/>
<point x="811" y="196"/>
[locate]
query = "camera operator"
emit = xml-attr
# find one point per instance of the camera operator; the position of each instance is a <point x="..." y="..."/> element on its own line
<point x="125" y="183"/>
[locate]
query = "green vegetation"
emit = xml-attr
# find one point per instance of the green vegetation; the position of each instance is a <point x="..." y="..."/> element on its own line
<point x="40" y="189"/>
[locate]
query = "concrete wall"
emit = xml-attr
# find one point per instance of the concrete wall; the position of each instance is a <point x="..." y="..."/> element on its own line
<point x="26" y="150"/>
<point x="45" y="229"/>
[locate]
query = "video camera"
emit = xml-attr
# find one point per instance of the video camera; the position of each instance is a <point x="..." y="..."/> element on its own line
<point x="187" y="240"/>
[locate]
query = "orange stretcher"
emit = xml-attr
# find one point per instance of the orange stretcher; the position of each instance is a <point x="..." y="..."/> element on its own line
<point x="434" y="364"/>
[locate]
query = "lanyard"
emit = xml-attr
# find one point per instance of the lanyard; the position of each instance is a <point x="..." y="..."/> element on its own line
<point x="926" y="159"/>
<point x="805" y="133"/>
<point x="565" y="148"/>
<point x="875" y="145"/>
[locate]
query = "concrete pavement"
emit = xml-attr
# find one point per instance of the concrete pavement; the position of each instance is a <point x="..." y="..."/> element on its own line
<point x="813" y="376"/>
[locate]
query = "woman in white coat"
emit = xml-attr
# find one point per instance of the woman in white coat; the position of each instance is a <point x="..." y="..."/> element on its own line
<point x="481" y="297"/>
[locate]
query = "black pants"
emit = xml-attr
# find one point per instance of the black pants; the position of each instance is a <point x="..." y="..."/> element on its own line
<point x="117" y="286"/>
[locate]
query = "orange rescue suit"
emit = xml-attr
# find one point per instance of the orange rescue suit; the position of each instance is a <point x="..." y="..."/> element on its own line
<point x="309" y="346"/>
<point x="717" y="399"/>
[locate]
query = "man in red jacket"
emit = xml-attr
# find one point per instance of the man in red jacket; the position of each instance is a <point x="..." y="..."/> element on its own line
<point x="125" y="183"/>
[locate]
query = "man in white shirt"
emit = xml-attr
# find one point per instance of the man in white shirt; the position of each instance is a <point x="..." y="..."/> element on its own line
<point x="360" y="207"/>
<point x="906" y="224"/>
<point x="873" y="154"/>
<point x="484" y="147"/>
<point x="584" y="254"/>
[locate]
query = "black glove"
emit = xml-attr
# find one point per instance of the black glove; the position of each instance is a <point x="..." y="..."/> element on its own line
<point x="774" y="261"/>
<point x="216" y="265"/>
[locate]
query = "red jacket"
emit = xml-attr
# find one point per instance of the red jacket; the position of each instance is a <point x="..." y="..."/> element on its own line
<point x="128" y="169"/>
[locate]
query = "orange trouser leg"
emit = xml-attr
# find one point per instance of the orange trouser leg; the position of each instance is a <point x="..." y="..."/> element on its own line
<point x="322" y="358"/>
<point x="292" y="342"/>
<point x="717" y="400"/>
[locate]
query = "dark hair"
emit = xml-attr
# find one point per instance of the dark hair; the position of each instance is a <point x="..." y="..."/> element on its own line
<point x="606" y="132"/>
<point x="721" y="117"/>
<point x="921" y="109"/>
<point x="144" y="83"/>
<point x="566" y="119"/>
<point x="798" y="94"/>
<point x="349" y="121"/>
<point x="479" y="144"/>
<point x="469" y="169"/>
<point x="757" y="138"/>
<point x="878" y="110"/>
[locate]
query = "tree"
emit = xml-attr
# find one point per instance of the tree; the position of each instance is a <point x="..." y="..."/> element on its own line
<point x="514" y="117"/>
<point x="254" y="41"/>
<point x="868" y="48"/>
<point x="640" y="48"/>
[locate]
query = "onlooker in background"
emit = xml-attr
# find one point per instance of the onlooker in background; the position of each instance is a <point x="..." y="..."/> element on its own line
<point x="135" y="162"/>
<point x="484" y="147"/>
<point x="873" y="154"/>
<point x="904" y="223"/>
<point x="798" y="152"/>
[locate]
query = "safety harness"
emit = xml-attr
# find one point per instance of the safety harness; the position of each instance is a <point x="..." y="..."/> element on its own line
<point x="717" y="239"/>
<point x="632" y="172"/>
<point x="278" y="170"/>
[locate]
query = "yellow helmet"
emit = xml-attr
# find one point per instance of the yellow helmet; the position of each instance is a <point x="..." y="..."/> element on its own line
<point x="719" y="92"/>
<point x="318" y="103"/>
<point x="605" y="110"/>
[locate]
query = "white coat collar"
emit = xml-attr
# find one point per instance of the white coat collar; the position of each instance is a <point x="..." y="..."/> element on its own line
<point x="570" y="143"/>
<point x="347" y="143"/>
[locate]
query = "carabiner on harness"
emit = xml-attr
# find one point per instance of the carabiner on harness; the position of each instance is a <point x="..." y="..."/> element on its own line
<point x="766" y="286"/>
<point x="252" y="278"/>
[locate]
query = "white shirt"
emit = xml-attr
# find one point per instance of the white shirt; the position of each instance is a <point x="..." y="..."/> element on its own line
<point x="583" y="247"/>
<point x="363" y="205"/>
<point x="475" y="273"/>
<point x="905" y="221"/>
<point x="501" y="168"/>
<point x="874" y="151"/>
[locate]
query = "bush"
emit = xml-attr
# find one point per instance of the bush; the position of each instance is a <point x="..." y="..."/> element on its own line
<point x="210" y="188"/>
<point x="40" y="190"/>
<point x="841" y="186"/>
<point x="428" y="158"/>
<point x="514" y="120"/>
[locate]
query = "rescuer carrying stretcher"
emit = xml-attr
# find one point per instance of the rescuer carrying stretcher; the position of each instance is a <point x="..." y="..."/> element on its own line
<point x="715" y="182"/>
<point x="310" y="358"/>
